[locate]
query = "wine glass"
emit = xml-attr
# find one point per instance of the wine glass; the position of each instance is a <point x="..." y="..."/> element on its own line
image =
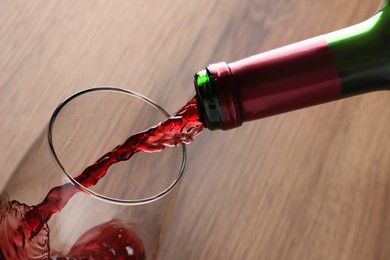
<point x="46" y="211"/>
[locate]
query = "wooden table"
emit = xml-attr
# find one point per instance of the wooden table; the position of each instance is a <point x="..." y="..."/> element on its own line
<point x="310" y="184"/>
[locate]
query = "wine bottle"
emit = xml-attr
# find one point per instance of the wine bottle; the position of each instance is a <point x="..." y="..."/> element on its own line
<point x="348" y="62"/>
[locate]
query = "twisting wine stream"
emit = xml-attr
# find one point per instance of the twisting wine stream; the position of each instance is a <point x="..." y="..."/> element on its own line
<point x="25" y="227"/>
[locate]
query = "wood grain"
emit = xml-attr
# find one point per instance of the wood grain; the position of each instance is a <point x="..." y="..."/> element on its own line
<point x="310" y="184"/>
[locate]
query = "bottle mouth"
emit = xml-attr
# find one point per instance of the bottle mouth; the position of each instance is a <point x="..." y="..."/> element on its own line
<point x="209" y="104"/>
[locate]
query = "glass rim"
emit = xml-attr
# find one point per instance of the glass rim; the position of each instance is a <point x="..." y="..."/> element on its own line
<point x="89" y="191"/>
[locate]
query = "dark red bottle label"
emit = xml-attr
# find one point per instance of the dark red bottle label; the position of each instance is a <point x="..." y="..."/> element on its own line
<point x="288" y="78"/>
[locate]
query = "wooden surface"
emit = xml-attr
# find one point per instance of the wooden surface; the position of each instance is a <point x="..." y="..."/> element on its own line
<point x="310" y="184"/>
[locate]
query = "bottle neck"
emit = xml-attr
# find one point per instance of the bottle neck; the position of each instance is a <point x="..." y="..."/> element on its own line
<point x="347" y="62"/>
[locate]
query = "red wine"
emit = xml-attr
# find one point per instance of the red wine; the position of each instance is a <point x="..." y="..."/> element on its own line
<point x="25" y="227"/>
<point x="110" y="240"/>
<point x="15" y="241"/>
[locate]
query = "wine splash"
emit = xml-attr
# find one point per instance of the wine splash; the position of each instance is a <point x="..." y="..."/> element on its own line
<point x="25" y="229"/>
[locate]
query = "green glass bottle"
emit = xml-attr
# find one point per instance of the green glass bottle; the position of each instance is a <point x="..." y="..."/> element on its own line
<point x="340" y="64"/>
